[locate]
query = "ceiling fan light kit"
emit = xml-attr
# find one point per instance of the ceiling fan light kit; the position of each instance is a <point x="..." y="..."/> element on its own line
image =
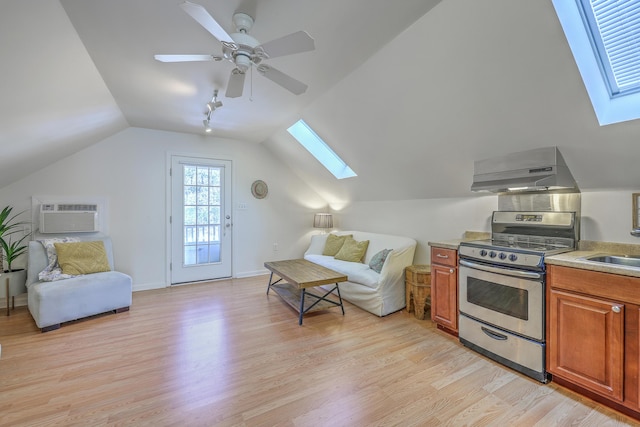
<point x="244" y="51"/>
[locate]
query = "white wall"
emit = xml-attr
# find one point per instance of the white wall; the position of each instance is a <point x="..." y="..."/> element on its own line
<point x="130" y="170"/>
<point x="424" y="220"/>
<point x="606" y="217"/>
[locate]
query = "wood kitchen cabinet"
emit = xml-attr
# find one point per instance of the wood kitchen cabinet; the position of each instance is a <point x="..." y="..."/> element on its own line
<point x="444" y="289"/>
<point x="593" y="342"/>
<point x="588" y="339"/>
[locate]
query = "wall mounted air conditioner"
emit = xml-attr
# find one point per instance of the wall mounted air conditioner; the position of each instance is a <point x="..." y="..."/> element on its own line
<point x="68" y="218"/>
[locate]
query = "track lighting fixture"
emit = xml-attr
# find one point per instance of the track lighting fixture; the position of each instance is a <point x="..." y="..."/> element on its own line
<point x="207" y="125"/>
<point x="214" y="103"/>
<point x="211" y="106"/>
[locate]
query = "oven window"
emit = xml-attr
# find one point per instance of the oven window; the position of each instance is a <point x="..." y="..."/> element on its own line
<point x="503" y="299"/>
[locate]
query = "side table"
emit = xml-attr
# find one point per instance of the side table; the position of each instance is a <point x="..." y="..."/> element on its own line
<point x="418" y="289"/>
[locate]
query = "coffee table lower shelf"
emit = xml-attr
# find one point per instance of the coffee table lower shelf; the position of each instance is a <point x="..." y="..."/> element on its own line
<point x="308" y="302"/>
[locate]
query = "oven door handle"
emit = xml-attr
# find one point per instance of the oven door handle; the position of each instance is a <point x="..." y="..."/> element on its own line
<point x="506" y="271"/>
<point x="493" y="334"/>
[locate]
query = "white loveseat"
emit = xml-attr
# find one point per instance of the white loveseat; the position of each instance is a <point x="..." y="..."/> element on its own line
<point x="378" y="293"/>
<point x="54" y="302"/>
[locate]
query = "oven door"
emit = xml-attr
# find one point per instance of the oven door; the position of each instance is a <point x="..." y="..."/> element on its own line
<point x="507" y="298"/>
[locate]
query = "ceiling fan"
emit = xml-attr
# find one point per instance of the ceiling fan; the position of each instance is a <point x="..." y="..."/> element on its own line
<point x="245" y="51"/>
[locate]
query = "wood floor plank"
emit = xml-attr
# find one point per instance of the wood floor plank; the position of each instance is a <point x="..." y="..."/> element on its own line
<point x="226" y="354"/>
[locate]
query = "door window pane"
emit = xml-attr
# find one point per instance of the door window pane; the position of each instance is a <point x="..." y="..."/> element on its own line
<point x="202" y="197"/>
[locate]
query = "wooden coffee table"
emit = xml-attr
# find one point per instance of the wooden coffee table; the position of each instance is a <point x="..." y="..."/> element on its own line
<point x="301" y="274"/>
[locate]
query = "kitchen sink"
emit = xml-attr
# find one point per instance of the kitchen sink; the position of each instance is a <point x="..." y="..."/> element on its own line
<point x="630" y="261"/>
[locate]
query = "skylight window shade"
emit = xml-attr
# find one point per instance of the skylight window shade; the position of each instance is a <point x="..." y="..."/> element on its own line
<point x="320" y="150"/>
<point x="611" y="103"/>
<point x="615" y="33"/>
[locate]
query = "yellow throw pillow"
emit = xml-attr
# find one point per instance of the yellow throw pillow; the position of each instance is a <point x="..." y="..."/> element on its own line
<point x="334" y="243"/>
<point x="352" y="250"/>
<point x="82" y="257"/>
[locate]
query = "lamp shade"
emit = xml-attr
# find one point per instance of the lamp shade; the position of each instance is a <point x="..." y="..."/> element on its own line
<point x="323" y="220"/>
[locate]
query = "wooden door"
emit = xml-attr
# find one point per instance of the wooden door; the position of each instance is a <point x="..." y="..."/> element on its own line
<point x="586" y="342"/>
<point x="444" y="296"/>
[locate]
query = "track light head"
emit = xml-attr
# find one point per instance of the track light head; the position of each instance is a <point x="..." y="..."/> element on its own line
<point x="213" y="105"/>
<point x="207" y="126"/>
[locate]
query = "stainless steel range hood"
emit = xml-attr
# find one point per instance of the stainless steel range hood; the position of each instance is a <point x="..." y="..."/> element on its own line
<point x="538" y="169"/>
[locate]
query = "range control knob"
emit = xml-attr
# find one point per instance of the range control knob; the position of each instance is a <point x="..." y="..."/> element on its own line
<point x="483" y="252"/>
<point x="492" y="254"/>
<point x="513" y="257"/>
<point x="502" y="255"/>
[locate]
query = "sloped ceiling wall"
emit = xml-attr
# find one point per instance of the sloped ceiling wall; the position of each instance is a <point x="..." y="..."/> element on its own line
<point x="467" y="81"/>
<point x="53" y="100"/>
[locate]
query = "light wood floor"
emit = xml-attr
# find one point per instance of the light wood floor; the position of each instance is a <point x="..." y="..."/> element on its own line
<point x="225" y="354"/>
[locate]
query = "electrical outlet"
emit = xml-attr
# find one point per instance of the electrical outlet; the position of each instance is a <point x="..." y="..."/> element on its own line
<point x="275" y="247"/>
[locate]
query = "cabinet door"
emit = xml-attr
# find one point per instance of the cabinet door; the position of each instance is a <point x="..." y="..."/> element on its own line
<point x="444" y="296"/>
<point x="586" y="342"/>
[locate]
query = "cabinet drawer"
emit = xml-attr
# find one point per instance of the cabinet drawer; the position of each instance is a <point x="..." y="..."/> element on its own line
<point x="444" y="256"/>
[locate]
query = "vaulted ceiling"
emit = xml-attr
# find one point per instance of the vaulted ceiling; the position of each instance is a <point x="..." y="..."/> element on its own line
<point x="408" y="92"/>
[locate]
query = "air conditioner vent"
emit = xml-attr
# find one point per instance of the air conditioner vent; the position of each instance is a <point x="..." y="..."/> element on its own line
<point x="68" y="218"/>
<point x="77" y="208"/>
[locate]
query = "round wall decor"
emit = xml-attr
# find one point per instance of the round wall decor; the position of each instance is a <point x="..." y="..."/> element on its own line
<point x="259" y="189"/>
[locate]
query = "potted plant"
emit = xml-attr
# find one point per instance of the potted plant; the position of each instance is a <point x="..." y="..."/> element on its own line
<point x="11" y="249"/>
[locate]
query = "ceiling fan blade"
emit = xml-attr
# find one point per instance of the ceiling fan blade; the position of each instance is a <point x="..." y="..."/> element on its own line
<point x="186" y="58"/>
<point x="288" y="45"/>
<point x="278" y="77"/>
<point x="200" y="14"/>
<point x="236" y="84"/>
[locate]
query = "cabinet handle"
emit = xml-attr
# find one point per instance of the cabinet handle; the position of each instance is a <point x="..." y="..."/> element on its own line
<point x="442" y="256"/>
<point x="615" y="309"/>
<point x="451" y="271"/>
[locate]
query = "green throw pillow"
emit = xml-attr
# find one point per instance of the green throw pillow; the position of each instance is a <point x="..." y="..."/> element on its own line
<point x="82" y="257"/>
<point x="334" y="243"/>
<point x="352" y="250"/>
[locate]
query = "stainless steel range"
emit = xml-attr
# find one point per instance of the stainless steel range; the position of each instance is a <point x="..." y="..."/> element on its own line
<point x="502" y="286"/>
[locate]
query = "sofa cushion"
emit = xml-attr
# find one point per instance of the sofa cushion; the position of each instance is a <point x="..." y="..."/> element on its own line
<point x="355" y="272"/>
<point x="82" y="257"/>
<point x="377" y="261"/>
<point x="352" y="250"/>
<point x="333" y="244"/>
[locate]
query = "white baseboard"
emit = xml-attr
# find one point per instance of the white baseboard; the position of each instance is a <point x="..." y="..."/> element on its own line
<point x="21" y="300"/>
<point x="148" y="286"/>
<point x="251" y="273"/>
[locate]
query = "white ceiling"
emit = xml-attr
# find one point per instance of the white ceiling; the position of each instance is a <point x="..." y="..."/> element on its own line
<point x="122" y="36"/>
<point x="408" y="92"/>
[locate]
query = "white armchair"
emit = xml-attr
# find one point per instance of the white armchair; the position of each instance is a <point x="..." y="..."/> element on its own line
<point x="54" y="302"/>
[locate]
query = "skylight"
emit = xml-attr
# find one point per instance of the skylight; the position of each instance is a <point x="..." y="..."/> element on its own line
<point x="320" y="150"/>
<point x="604" y="36"/>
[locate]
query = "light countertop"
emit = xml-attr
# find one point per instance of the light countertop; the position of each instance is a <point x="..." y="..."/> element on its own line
<point x="586" y="248"/>
<point x="454" y="243"/>
<point x="574" y="259"/>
